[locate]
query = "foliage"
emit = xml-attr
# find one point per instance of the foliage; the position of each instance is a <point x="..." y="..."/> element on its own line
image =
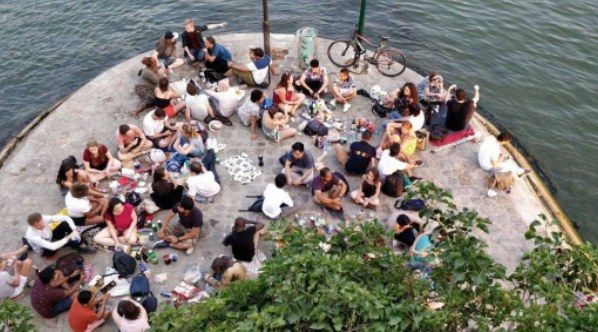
<point x="15" y="317"/>
<point x="360" y="284"/>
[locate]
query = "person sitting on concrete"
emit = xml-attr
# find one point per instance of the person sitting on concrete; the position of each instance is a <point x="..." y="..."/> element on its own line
<point x="275" y="125"/>
<point x="69" y="174"/>
<point x="393" y="160"/>
<point x="165" y="192"/>
<point x="434" y="96"/>
<point x="131" y="142"/>
<point x="85" y="314"/>
<point x="460" y="109"/>
<point x="158" y="129"/>
<point x="47" y="234"/>
<point x="298" y="165"/>
<point x="343" y="89"/>
<point x="14" y="273"/>
<point x="286" y="97"/>
<point x="360" y="155"/>
<point x="277" y="202"/>
<point x="217" y="57"/>
<point x="255" y="72"/>
<point x="152" y="72"/>
<point x="202" y="183"/>
<point x="329" y="188"/>
<point x="130" y="316"/>
<point x="250" y="113"/>
<point x="491" y="159"/>
<point x="99" y="162"/>
<point x="167" y="99"/>
<point x="189" y="142"/>
<point x="181" y="234"/>
<point x="314" y="80"/>
<point x="368" y="194"/>
<point x="166" y="52"/>
<point x="400" y="132"/>
<point x="400" y="98"/>
<point x="404" y="232"/>
<point x="228" y="100"/>
<point x="51" y="294"/>
<point x="244" y="242"/>
<point x="193" y="42"/>
<point x="198" y="104"/>
<point x="81" y="209"/>
<point x="223" y="271"/>
<point x="121" y="230"/>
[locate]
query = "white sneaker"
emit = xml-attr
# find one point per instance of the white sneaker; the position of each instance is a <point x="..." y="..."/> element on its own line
<point x="211" y="144"/>
<point x="346" y="107"/>
<point x="492" y="193"/>
<point x="333" y="102"/>
<point x="189" y="251"/>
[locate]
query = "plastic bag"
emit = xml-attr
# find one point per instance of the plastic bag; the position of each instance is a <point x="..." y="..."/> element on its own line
<point x="193" y="275"/>
<point x="157" y="156"/>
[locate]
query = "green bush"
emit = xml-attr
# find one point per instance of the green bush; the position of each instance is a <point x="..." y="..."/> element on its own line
<point x="359" y="284"/>
<point x="15" y="317"/>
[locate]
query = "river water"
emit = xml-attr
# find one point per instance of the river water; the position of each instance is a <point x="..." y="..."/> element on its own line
<point x="535" y="60"/>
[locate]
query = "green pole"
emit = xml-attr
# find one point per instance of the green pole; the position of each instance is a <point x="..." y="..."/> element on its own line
<point x="361" y="17"/>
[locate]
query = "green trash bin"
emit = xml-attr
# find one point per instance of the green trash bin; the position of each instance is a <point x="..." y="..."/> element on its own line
<point x="308" y="46"/>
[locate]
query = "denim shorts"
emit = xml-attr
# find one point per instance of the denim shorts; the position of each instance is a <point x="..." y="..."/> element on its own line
<point x="62" y="306"/>
<point x="167" y="61"/>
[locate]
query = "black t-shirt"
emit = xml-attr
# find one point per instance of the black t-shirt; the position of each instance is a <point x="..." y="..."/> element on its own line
<point x="242" y="244"/>
<point x="407" y="236"/>
<point x="192" y="220"/>
<point x="194" y="40"/>
<point x="459" y="114"/>
<point x="359" y="158"/>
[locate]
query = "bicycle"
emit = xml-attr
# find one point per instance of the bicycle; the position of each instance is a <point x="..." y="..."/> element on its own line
<point x="344" y="53"/>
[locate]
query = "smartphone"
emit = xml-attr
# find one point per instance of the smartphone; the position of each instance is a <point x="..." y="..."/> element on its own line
<point x="108" y="287"/>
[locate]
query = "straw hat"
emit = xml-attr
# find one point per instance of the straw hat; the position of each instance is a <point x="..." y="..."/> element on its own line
<point x="215" y="125"/>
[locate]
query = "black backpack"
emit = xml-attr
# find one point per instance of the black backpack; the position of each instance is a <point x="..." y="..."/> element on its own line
<point x="315" y="127"/>
<point x="133" y="198"/>
<point x="393" y="185"/>
<point x="124" y="264"/>
<point x="213" y="76"/>
<point x="380" y="110"/>
<point x="140" y="292"/>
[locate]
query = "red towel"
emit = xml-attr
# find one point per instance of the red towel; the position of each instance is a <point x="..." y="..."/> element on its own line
<point x="454" y="136"/>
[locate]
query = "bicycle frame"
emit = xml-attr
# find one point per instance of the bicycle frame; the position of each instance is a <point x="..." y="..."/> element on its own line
<point x="357" y="38"/>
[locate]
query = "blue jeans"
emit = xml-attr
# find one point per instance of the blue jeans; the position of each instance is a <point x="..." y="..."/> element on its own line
<point x="198" y="54"/>
<point x="62" y="306"/>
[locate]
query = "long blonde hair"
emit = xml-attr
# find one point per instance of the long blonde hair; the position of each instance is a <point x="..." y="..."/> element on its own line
<point x="189" y="131"/>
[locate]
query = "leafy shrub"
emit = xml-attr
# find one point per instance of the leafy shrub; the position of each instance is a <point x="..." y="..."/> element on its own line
<point x="15" y="317"/>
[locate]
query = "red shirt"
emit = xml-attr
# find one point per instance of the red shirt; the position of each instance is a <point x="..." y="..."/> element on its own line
<point x="100" y="160"/>
<point x="80" y="317"/>
<point x="123" y="220"/>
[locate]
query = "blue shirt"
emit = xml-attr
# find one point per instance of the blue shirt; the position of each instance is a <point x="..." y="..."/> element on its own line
<point x="221" y="53"/>
<point x="262" y="63"/>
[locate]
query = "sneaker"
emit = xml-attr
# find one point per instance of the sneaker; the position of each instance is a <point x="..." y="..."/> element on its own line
<point x="189" y="251"/>
<point x="210" y="143"/>
<point x="346" y="107"/>
<point x="492" y="193"/>
<point x="161" y="245"/>
<point x="333" y="103"/>
<point x="87" y="250"/>
<point x="225" y="121"/>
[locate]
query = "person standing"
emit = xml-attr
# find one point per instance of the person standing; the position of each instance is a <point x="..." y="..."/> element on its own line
<point x="193" y="42"/>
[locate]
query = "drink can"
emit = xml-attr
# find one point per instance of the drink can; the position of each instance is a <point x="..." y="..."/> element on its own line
<point x="174" y="257"/>
<point x="167" y="259"/>
<point x="152" y="237"/>
<point x="159" y="223"/>
<point x="154" y="227"/>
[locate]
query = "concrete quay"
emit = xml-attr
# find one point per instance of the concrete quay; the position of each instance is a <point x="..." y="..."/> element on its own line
<point x="28" y="174"/>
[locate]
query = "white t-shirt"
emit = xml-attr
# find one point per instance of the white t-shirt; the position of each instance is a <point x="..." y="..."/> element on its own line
<point x="274" y="197"/>
<point x="228" y="100"/>
<point x="153" y="126"/>
<point x="76" y="207"/>
<point x="489" y="151"/>
<point x="417" y="122"/>
<point x="247" y="110"/>
<point x="389" y="164"/>
<point x="259" y="75"/>
<point x="199" y="106"/>
<point x="42" y="239"/>
<point x="204" y="185"/>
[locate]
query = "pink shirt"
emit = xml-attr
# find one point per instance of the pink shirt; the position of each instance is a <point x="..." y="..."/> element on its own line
<point x="126" y="140"/>
<point x="123" y="220"/>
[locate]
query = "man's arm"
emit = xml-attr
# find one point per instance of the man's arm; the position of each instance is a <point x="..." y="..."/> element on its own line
<point x="239" y="67"/>
<point x="306" y="173"/>
<point x="287" y="171"/>
<point x="193" y="233"/>
<point x="167" y="220"/>
<point x="100" y="313"/>
<point x="253" y="127"/>
<point x="49" y="244"/>
<point x="323" y="198"/>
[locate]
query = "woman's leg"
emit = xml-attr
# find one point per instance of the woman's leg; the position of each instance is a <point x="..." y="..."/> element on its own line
<point x="357" y="196"/>
<point x="15" y="253"/>
<point x="130" y="236"/>
<point x="103" y="238"/>
<point x="176" y="108"/>
<point x="116" y="165"/>
<point x="288" y="133"/>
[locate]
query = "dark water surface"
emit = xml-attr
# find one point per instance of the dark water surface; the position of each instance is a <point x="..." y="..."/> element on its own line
<point x="536" y="61"/>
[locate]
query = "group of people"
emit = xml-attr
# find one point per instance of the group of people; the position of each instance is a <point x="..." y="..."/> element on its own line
<point x="410" y="109"/>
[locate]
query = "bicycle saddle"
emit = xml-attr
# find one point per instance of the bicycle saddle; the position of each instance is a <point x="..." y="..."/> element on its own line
<point x="383" y="38"/>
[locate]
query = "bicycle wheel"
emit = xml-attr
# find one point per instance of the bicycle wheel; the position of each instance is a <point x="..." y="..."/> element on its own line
<point x="342" y="53"/>
<point x="391" y="62"/>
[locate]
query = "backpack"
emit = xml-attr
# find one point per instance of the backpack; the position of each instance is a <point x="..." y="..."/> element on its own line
<point x="124" y="264"/>
<point x="176" y="162"/>
<point x="214" y="104"/>
<point x="133" y="198"/>
<point x="213" y="76"/>
<point x="315" y="127"/>
<point x="255" y="206"/>
<point x="140" y="286"/>
<point x="70" y="263"/>
<point x="393" y="185"/>
<point x="414" y="204"/>
<point x="437" y="133"/>
<point x="380" y="110"/>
